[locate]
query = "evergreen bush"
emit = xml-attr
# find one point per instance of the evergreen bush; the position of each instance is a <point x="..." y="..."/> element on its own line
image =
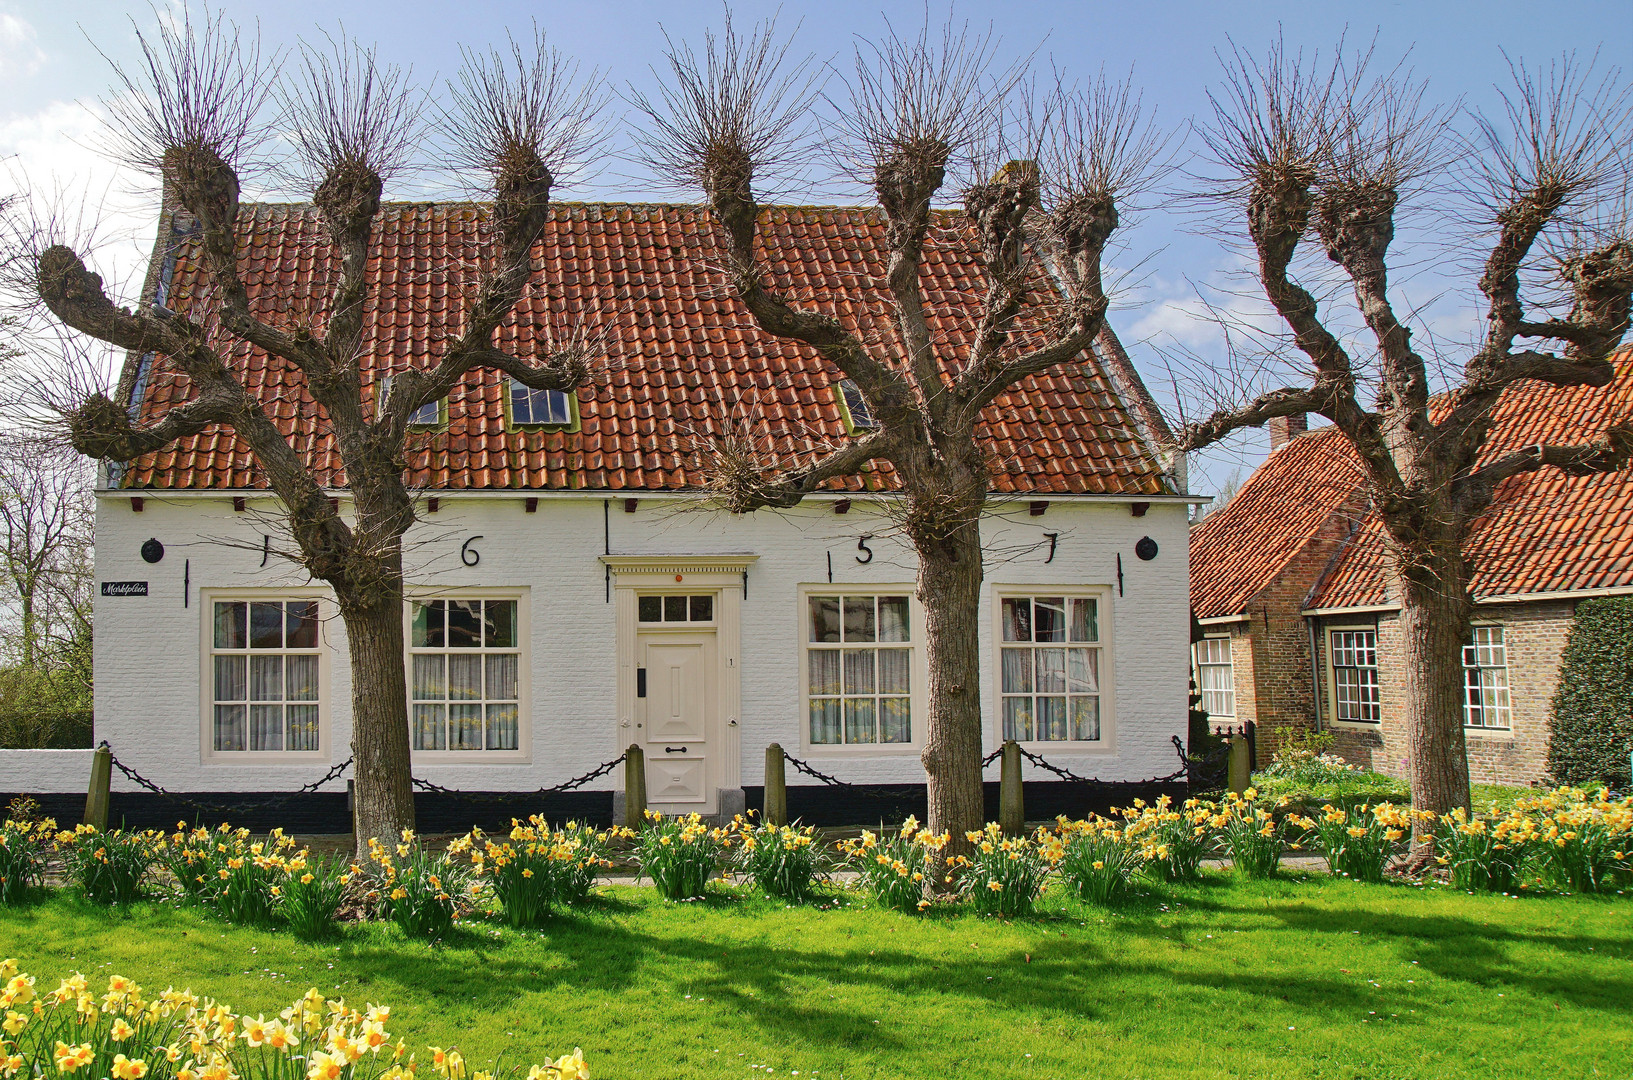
<point x="1591" y="721"/>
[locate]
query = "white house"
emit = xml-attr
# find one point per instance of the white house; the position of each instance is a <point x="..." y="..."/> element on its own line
<point x="571" y="594"/>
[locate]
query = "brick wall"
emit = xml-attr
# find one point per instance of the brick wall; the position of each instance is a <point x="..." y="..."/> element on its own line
<point x="1534" y="635"/>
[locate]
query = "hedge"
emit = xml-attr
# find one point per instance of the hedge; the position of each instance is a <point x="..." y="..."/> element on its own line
<point x="1591" y="720"/>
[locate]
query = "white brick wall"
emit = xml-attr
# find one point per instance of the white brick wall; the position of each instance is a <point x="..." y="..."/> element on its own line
<point x="149" y="670"/>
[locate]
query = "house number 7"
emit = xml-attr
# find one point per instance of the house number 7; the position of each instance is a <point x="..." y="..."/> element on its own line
<point x="469" y="555"/>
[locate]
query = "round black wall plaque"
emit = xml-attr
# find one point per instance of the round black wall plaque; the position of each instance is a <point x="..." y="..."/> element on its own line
<point x="152" y="550"/>
<point x="1146" y="549"/>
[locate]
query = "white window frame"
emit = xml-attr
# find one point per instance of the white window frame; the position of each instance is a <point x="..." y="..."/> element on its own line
<point x="524" y="672"/>
<point x="917" y="696"/>
<point x="1505" y="690"/>
<point x="1107" y="674"/>
<point x="1229" y="665"/>
<point x="441" y="420"/>
<point x="569" y="403"/>
<point x="1332" y="676"/>
<point x="208" y="754"/>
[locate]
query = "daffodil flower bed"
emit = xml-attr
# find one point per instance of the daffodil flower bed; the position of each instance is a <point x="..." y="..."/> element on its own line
<point x="1172" y="841"/>
<point x="123" y="1034"/>
<point x="538" y="868"/>
<point x="418" y="890"/>
<point x="1003" y="875"/>
<point x="1583" y="841"/>
<point x="678" y="854"/>
<point x="109" y="866"/>
<point x="24" y="848"/>
<point x="893" y="868"/>
<point x="781" y="860"/>
<point x="1256" y="836"/>
<point x="1359" y="843"/>
<point x="1098" y="859"/>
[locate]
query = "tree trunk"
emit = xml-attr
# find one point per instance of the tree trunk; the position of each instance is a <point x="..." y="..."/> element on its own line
<point x="949" y="589"/>
<point x="383" y="798"/>
<point x="1434" y="623"/>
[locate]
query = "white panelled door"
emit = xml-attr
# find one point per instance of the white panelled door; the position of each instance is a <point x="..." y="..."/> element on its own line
<point x="676" y="708"/>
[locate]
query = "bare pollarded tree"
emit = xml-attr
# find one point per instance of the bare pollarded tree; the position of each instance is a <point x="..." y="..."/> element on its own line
<point x="1331" y="156"/>
<point x="197" y="112"/>
<point x="921" y="118"/>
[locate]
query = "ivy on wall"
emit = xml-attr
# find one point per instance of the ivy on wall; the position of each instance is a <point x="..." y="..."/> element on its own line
<point x="1591" y="721"/>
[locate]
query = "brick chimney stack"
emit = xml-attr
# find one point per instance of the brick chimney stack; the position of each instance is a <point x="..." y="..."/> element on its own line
<point x="1284" y="429"/>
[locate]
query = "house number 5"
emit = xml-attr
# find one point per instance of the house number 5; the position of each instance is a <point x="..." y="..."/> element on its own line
<point x="469" y="555"/>
<point x="862" y="546"/>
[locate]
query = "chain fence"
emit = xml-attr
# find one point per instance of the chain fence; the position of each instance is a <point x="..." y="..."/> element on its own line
<point x="489" y="798"/>
<point x="282" y="798"/>
<point x="224" y="808"/>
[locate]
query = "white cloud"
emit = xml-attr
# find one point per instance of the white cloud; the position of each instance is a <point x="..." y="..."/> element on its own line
<point x="108" y="209"/>
<point x="20" y="53"/>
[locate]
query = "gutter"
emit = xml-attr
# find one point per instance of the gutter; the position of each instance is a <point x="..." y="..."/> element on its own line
<point x="500" y="494"/>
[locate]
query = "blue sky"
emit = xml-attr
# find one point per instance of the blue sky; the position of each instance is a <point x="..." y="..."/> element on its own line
<point x="50" y="78"/>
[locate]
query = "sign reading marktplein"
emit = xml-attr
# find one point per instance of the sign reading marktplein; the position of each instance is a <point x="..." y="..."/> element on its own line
<point x="124" y="588"/>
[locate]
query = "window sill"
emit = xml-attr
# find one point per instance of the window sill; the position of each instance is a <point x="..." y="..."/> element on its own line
<point x="265" y="757"/>
<point x="1504" y="734"/>
<point x="470" y="757"/>
<point x="843" y="750"/>
<point x="1357" y="725"/>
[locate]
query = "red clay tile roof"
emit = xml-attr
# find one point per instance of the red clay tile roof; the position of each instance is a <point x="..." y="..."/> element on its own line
<point x="1240" y="548"/>
<point x="1545" y="531"/>
<point x="685" y="357"/>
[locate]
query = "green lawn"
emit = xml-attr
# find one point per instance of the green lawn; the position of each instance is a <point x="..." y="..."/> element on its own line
<point x="1302" y="978"/>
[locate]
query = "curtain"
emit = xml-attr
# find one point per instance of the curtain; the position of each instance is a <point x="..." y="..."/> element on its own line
<point x="464" y="677"/>
<point x="824" y="721"/>
<point x="229" y="727"/>
<point x="429" y="733"/>
<point x="895" y="720"/>
<point x="502" y="727"/>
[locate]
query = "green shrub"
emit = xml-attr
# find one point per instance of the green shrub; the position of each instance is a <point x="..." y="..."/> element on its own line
<point x="1591" y="721"/>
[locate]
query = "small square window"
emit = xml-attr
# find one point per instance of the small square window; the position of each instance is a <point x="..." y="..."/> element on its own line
<point x="539" y="408"/>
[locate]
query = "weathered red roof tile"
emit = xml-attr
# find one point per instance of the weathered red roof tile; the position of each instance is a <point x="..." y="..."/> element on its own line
<point x="684" y="356"/>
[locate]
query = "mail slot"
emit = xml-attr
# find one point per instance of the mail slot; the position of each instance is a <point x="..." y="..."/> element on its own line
<point x="640" y="682"/>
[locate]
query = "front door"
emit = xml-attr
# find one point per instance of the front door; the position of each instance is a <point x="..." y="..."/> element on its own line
<point x="676" y="706"/>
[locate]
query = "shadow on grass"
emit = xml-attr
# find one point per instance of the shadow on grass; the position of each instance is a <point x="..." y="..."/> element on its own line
<point x="769" y="977"/>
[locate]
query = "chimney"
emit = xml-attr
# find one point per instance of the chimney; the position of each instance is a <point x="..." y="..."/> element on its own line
<point x="1284" y="429"/>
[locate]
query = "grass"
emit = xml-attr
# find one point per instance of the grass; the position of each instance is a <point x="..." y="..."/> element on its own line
<point x="1304" y="977"/>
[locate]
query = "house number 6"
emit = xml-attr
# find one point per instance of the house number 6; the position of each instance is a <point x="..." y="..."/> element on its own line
<point x="468" y="555"/>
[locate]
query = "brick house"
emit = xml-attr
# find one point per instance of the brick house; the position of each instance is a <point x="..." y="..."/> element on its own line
<point x="554" y="575"/>
<point x="1296" y="624"/>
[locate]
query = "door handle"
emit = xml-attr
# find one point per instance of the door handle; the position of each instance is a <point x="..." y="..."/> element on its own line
<point x="640" y="682"/>
<point x="674" y="749"/>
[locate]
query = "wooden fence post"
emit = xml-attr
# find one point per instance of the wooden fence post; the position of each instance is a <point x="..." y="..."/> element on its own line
<point x="1011" y="802"/>
<point x="635" y="787"/>
<point x="1239" y="766"/>
<point x="776" y="786"/>
<point x="96" y="798"/>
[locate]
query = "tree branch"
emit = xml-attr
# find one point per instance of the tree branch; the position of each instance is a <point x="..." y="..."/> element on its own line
<point x="1611" y="452"/>
<point x="738" y="480"/>
<point x="1288" y="401"/>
